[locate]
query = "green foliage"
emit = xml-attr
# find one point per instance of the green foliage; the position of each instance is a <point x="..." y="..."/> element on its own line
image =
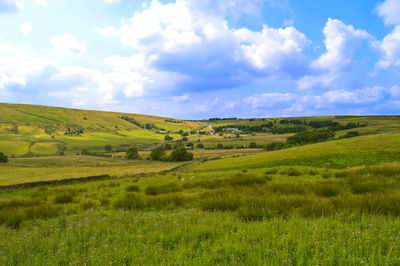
<point x="158" y="154"/>
<point x="180" y="154"/>
<point x="108" y="148"/>
<point x="200" y="146"/>
<point x="168" y="138"/>
<point x="85" y="152"/>
<point x="310" y="137"/>
<point x="132" y="154"/>
<point x="253" y="145"/>
<point x="3" y="158"/>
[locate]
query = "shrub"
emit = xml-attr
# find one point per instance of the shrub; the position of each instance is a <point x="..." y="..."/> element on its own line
<point x="157" y="154"/>
<point x="200" y="146"/>
<point x="252" y="145"/>
<point x="132" y="154"/>
<point x="131" y="201"/>
<point x="132" y="188"/>
<point x="3" y="158"/>
<point x="108" y="148"/>
<point x="168" y="138"/>
<point x="85" y="152"/>
<point x="180" y="154"/>
<point x="162" y="189"/>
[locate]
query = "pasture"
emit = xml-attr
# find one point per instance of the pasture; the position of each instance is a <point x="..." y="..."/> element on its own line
<point x="335" y="202"/>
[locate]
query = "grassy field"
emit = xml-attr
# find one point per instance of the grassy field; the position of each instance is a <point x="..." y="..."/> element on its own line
<point x="330" y="203"/>
<point x="23" y="170"/>
<point x="21" y="126"/>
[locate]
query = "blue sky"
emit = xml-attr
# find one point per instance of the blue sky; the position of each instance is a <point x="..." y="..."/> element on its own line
<point x="196" y="59"/>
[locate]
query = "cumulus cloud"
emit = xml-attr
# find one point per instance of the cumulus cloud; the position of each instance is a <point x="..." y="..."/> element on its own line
<point x="390" y="49"/>
<point x="203" y="50"/>
<point x="340" y="101"/>
<point x="389" y="10"/>
<point x="341" y="41"/>
<point x="67" y="45"/>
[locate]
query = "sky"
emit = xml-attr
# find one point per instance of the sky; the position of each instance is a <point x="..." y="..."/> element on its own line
<point x="195" y="59"/>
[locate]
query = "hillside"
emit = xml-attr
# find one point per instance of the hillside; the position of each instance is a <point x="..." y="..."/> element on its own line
<point x="43" y="130"/>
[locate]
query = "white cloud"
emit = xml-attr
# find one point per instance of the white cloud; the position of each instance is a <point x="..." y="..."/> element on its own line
<point x="341" y="41"/>
<point x="181" y="98"/>
<point x="271" y="100"/>
<point x="201" y="49"/>
<point x="42" y="3"/>
<point x="26" y="28"/>
<point x="390" y="48"/>
<point x="67" y="45"/>
<point x="16" y="70"/>
<point x="389" y="10"/>
<point x="112" y="1"/>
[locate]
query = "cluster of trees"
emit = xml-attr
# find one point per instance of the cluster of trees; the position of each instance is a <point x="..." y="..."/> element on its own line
<point x="173" y="121"/>
<point x="180" y="154"/>
<point x="288" y="129"/>
<point x="136" y="123"/>
<point x="350" y="134"/>
<point x="74" y="132"/>
<point x="245" y="128"/>
<point x="310" y="137"/>
<point x="219" y="119"/>
<point x="93" y="153"/>
<point x="3" y="158"/>
<point x="301" y="139"/>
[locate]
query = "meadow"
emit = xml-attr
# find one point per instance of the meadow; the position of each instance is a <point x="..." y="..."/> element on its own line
<point x="330" y="203"/>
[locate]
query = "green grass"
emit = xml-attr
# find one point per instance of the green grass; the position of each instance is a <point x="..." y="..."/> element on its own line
<point x="53" y="168"/>
<point x="365" y="150"/>
<point x="331" y="203"/>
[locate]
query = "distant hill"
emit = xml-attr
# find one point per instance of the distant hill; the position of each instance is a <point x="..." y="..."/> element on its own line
<point x="43" y="130"/>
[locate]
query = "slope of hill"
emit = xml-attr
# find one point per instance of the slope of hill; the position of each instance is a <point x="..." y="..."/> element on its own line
<point x="43" y="130"/>
<point x="364" y="150"/>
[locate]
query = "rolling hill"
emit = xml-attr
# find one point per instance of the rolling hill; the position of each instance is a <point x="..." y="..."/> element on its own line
<point x="42" y="130"/>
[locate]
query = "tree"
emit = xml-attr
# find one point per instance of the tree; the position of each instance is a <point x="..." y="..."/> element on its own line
<point x="108" y="148"/>
<point x="3" y="158"/>
<point x="132" y="154"/>
<point x="200" y="146"/>
<point x="185" y="139"/>
<point x="157" y="154"/>
<point x="220" y="146"/>
<point x="180" y="154"/>
<point x="85" y="152"/>
<point x="252" y="145"/>
<point x="168" y="138"/>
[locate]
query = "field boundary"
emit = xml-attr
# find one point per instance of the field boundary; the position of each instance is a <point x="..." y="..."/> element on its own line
<point x="82" y="179"/>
